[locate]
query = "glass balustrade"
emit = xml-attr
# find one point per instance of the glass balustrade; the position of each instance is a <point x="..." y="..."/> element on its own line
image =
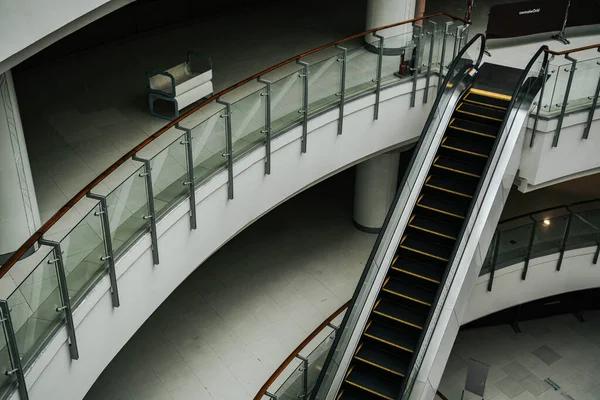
<point x="203" y="143"/>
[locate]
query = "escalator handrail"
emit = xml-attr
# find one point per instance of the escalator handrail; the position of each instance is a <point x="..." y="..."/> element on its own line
<point x="432" y="319"/>
<point x="443" y="89"/>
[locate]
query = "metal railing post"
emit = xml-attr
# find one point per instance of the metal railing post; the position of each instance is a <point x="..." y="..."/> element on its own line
<point x="342" y="93"/>
<point x="378" y="77"/>
<point x="431" y="46"/>
<point x="64" y="294"/>
<point x="304" y="111"/>
<point x="543" y="74"/>
<point x="563" y="244"/>
<point x="304" y="375"/>
<point x="529" y="248"/>
<point x="108" y="249"/>
<point x="267" y="130"/>
<point x="147" y="174"/>
<point x="191" y="180"/>
<point x="416" y="62"/>
<point x="494" y="259"/>
<point x="565" y="100"/>
<point x="271" y="396"/>
<point x="597" y="254"/>
<point x="457" y="39"/>
<point x="443" y="55"/>
<point x="13" y="350"/>
<point x="229" y="146"/>
<point x="588" y="125"/>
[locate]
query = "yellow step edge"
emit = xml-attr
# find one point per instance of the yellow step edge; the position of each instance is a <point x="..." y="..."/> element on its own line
<point x="339" y="395"/>
<point x="449" y="191"/>
<point x="349" y="371"/>
<point x="430" y="231"/>
<point x="425" y="254"/>
<point x="406" y="297"/>
<point x="389" y="343"/>
<point x="483" y="104"/>
<point x="464" y="151"/>
<point x="470" y="131"/>
<point x="413" y="274"/>
<point x="458" y="171"/>
<point x="493" y="95"/>
<point x="395" y="259"/>
<point x="368" y="390"/>
<point x="379" y="366"/>
<point x="397" y="319"/>
<point x="357" y="350"/>
<point x="440" y="211"/>
<point x="476" y="115"/>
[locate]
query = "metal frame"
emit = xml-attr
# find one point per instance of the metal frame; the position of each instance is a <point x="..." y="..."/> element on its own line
<point x="415" y="69"/>
<point x="229" y="145"/>
<point x="267" y="130"/>
<point x="13" y="350"/>
<point x="588" y="125"/>
<point x="563" y="244"/>
<point x="542" y="75"/>
<point x="342" y="93"/>
<point x="529" y="248"/>
<point x="378" y="77"/>
<point x="147" y="174"/>
<point x="496" y="249"/>
<point x="443" y="55"/>
<point x="304" y="375"/>
<point x="304" y="111"/>
<point x="64" y="294"/>
<point x="565" y="100"/>
<point x="109" y="254"/>
<point x="191" y="180"/>
<point x="431" y="47"/>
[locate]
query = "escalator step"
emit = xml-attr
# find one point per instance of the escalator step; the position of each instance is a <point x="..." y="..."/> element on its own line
<point x="378" y="358"/>
<point x="450" y="186"/>
<point x="434" y="227"/>
<point x="467" y="147"/>
<point x="461" y="167"/>
<point x="408" y="291"/>
<point x="412" y="267"/>
<point x="398" y="313"/>
<point x="476" y="97"/>
<point x="454" y="209"/>
<point x="475" y="128"/>
<point x="392" y="337"/>
<point x="480" y="112"/>
<point x="373" y="383"/>
<point x="426" y="248"/>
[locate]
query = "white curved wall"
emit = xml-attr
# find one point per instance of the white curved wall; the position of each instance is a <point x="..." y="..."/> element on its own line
<point x="102" y="330"/>
<point x="543" y="280"/>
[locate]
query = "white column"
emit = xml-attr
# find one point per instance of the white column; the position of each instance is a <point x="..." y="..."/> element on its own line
<point x="374" y="189"/>
<point x="19" y="214"/>
<point x="386" y="12"/>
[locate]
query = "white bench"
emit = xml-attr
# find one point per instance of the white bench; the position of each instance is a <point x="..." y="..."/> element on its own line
<point x="181" y="85"/>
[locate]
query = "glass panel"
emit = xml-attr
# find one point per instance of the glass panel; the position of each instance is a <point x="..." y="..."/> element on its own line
<point x="324" y="84"/>
<point x="6" y="381"/>
<point x="585" y="229"/>
<point x="208" y="147"/>
<point x="169" y="172"/>
<point x="248" y="122"/>
<point x="584" y="83"/>
<point x="361" y="71"/>
<point x="293" y="387"/>
<point x="550" y="86"/>
<point x="486" y="268"/>
<point x="127" y="207"/>
<point x="398" y="58"/>
<point x="33" y="308"/>
<point x="560" y="86"/>
<point x="316" y="360"/>
<point x="548" y="236"/>
<point x="514" y="245"/>
<point x="286" y="102"/>
<point x="83" y="249"/>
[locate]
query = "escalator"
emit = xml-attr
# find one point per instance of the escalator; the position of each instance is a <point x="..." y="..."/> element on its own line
<point x="396" y="322"/>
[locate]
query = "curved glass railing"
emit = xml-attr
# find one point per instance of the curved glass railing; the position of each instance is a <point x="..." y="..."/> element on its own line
<point x="550" y="231"/>
<point x="148" y="181"/>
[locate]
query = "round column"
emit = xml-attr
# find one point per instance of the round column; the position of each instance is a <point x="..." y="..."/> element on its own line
<point x="374" y="189"/>
<point x="19" y="214"/>
<point x="386" y="12"/>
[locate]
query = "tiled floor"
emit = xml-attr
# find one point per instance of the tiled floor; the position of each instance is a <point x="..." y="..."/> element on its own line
<point x="232" y="322"/>
<point x="554" y="358"/>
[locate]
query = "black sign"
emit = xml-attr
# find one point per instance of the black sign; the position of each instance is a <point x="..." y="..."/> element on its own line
<point x="526" y="18"/>
<point x="584" y="12"/>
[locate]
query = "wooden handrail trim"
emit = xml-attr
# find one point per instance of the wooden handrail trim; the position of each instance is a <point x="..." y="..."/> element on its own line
<point x="16" y="256"/>
<point x="297" y="351"/>
<point x="562" y="53"/>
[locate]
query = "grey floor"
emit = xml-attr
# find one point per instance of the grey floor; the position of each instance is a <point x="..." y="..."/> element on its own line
<point x="554" y="358"/>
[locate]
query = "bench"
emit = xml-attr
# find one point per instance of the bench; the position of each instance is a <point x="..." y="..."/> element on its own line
<point x="181" y="85"/>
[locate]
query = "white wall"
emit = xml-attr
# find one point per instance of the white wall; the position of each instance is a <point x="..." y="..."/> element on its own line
<point x="543" y="280"/>
<point x="102" y="330"/>
<point x="543" y="165"/>
<point x="28" y="26"/>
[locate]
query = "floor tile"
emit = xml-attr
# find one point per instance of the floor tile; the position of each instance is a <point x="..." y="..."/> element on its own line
<point x="510" y="387"/>
<point x="535" y="385"/>
<point x="517" y="371"/>
<point x="583" y="381"/>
